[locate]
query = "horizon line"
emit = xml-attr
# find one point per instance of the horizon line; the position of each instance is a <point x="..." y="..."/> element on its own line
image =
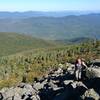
<point x="52" y="11"/>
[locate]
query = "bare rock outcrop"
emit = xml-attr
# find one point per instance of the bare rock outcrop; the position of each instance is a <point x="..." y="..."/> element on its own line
<point x="21" y="92"/>
<point x="59" y="84"/>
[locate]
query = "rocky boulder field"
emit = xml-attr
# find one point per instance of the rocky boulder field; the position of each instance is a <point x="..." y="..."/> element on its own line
<point x="59" y="84"/>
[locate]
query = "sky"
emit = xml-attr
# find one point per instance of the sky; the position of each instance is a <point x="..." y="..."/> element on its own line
<point x="49" y="5"/>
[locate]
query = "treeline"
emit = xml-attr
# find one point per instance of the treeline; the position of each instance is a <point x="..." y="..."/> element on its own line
<point x="28" y="65"/>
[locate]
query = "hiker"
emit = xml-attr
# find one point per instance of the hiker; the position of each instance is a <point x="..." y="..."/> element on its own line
<point x="79" y="66"/>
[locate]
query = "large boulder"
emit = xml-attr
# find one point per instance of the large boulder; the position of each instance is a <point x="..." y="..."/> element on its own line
<point x="93" y="72"/>
<point x="95" y="63"/>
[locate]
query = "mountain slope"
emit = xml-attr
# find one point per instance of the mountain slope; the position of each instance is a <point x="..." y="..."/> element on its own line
<point x="11" y="43"/>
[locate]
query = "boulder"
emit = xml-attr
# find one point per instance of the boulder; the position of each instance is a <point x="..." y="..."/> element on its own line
<point x="21" y="92"/>
<point x="66" y="82"/>
<point x="71" y="68"/>
<point x="78" y="84"/>
<point x="91" y="93"/>
<point x="93" y="72"/>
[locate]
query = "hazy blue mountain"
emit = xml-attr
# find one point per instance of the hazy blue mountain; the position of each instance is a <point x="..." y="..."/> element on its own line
<point x="27" y="14"/>
<point x="56" y="28"/>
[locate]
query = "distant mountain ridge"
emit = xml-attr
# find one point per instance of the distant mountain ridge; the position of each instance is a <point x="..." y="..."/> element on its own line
<point x="54" y="28"/>
<point x="27" y="14"/>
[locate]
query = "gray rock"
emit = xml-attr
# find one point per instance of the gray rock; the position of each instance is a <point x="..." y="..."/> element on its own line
<point x="35" y="97"/>
<point x="66" y="82"/>
<point x="78" y="84"/>
<point x="39" y="85"/>
<point x="57" y="88"/>
<point x="71" y="68"/>
<point x="93" y="72"/>
<point x="8" y="94"/>
<point x="17" y="97"/>
<point x="91" y="94"/>
<point x="21" y="92"/>
<point x="52" y="85"/>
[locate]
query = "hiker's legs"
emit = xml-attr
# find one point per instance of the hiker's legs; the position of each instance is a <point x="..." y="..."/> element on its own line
<point x="80" y="73"/>
<point x="77" y="74"/>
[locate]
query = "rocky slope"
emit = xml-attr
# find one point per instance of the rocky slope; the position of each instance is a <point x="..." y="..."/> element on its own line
<point x="59" y="84"/>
